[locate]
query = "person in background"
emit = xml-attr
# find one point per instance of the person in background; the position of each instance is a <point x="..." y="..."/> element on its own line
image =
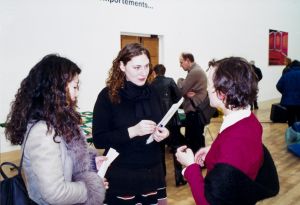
<point x="194" y="90"/>
<point x="288" y="86"/>
<point x="170" y="94"/>
<point x="259" y="77"/>
<point x="240" y="170"/>
<point x="287" y="62"/>
<point x="57" y="163"/>
<point x="125" y="114"/>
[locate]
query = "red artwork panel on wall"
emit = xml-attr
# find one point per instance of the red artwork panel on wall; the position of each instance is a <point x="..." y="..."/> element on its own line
<point x="278" y="47"/>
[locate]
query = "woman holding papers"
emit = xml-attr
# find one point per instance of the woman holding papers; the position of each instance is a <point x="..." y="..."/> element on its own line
<point x="43" y="117"/>
<point x="240" y="170"/>
<point x="126" y="113"/>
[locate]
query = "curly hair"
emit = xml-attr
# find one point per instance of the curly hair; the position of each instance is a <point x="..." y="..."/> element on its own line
<point x="235" y="78"/>
<point x="43" y="96"/>
<point x="116" y="77"/>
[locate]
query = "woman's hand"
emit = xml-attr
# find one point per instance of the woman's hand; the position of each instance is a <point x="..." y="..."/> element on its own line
<point x="201" y="154"/>
<point x="144" y="127"/>
<point x="106" y="184"/>
<point x="160" y="134"/>
<point x="185" y="156"/>
<point x="99" y="160"/>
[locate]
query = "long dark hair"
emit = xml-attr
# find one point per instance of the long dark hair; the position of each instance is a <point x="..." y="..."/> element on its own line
<point x="116" y="77"/>
<point x="43" y="96"/>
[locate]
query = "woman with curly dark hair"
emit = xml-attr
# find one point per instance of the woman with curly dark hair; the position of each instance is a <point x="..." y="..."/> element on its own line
<point x="125" y="115"/>
<point x="57" y="162"/>
<point x="240" y="170"/>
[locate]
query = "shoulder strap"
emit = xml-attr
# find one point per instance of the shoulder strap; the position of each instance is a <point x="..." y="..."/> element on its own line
<point x="25" y="140"/>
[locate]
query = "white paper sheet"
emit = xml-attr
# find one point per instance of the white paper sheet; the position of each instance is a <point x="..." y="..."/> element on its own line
<point x="111" y="156"/>
<point x="167" y="117"/>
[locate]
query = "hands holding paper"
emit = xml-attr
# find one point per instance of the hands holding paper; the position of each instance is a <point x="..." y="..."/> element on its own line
<point x="160" y="134"/>
<point x="103" y="162"/>
<point x="99" y="161"/>
<point x="145" y="127"/>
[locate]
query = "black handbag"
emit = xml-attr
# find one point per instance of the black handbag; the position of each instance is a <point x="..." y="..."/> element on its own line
<point x="204" y="110"/>
<point x="12" y="189"/>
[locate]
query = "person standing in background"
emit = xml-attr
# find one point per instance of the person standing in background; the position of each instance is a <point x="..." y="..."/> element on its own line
<point x="287" y="62"/>
<point x="125" y="114"/>
<point x="170" y="94"/>
<point x="288" y="86"/>
<point x="194" y="90"/>
<point x="259" y="77"/>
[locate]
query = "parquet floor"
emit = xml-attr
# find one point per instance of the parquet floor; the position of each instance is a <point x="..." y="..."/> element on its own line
<point x="288" y="165"/>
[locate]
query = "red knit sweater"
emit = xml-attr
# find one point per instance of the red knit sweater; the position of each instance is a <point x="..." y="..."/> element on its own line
<point x="239" y="145"/>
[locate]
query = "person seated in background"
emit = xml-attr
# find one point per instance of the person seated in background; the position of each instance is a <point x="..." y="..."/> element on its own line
<point x="240" y="169"/>
<point x="170" y="94"/>
<point x="288" y="86"/>
<point x="59" y="168"/>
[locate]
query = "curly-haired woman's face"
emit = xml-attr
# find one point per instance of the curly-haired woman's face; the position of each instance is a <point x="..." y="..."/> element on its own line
<point x="73" y="88"/>
<point x="137" y="69"/>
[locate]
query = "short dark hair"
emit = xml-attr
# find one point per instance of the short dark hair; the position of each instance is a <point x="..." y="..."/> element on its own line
<point x="159" y="69"/>
<point x="188" y="56"/>
<point x="235" y="78"/>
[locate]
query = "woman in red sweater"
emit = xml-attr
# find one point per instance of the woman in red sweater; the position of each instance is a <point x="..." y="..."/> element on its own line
<point x="240" y="170"/>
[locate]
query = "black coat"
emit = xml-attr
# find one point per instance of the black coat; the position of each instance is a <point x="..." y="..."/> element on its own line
<point x="168" y="93"/>
<point x="257" y="72"/>
<point x="226" y="185"/>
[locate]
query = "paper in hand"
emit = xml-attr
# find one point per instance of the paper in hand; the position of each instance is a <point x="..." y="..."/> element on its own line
<point x="167" y="117"/>
<point x="111" y="156"/>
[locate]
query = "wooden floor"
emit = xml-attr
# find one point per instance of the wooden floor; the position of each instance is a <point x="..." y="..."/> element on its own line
<point x="288" y="165"/>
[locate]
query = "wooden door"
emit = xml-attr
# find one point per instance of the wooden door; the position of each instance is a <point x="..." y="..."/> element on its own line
<point x="151" y="43"/>
<point x="129" y="39"/>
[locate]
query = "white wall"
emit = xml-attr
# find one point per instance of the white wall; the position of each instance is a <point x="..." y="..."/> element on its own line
<point x="88" y="32"/>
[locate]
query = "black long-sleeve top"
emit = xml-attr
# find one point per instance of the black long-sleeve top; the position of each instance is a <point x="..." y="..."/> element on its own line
<point x="110" y="129"/>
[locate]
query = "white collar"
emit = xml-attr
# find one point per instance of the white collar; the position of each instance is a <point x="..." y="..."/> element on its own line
<point x="234" y="117"/>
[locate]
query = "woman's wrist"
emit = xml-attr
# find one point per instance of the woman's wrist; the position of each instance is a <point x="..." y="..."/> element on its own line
<point x="131" y="132"/>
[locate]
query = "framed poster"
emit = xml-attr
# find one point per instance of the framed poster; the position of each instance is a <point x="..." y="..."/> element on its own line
<point x="278" y="47"/>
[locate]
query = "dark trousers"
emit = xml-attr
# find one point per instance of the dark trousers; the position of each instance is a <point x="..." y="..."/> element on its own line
<point x="293" y="113"/>
<point x="194" y="132"/>
<point x="176" y="139"/>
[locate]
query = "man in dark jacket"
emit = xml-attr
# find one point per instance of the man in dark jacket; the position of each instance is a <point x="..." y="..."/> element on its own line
<point x="288" y="86"/>
<point x="170" y="94"/>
